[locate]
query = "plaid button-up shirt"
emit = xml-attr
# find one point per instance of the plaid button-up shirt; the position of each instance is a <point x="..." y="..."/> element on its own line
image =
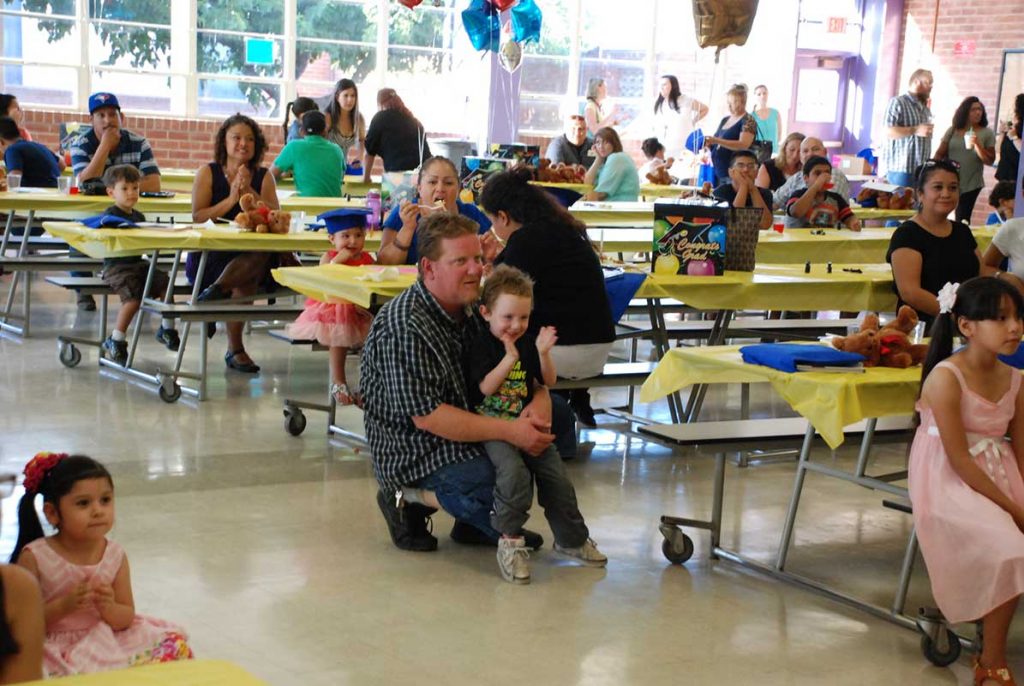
<point x="906" y="154"/>
<point x="411" y="365"/>
<point x="133" y="149"/>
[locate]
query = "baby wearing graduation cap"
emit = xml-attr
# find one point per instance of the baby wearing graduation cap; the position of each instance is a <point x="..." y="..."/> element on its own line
<point x="339" y="326"/>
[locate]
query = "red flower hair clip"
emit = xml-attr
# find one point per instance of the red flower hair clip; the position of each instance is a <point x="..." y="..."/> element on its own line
<point x="38" y="467"/>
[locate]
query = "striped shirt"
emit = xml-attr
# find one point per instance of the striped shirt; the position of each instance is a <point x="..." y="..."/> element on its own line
<point x="133" y="149"/>
<point x="410" y="366"/>
<point x="907" y="153"/>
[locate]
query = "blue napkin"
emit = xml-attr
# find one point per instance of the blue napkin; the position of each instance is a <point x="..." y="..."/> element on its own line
<point x="108" y="221"/>
<point x="786" y="356"/>
<point x="1016" y="360"/>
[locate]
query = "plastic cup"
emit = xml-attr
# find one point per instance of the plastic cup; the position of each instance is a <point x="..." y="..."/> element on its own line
<point x="298" y="222"/>
<point x="64" y="185"/>
<point x="13" y="182"/>
<point x="778" y="227"/>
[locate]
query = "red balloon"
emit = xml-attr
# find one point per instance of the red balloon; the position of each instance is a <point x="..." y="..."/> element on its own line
<point x="502" y="5"/>
<point x="410" y="3"/>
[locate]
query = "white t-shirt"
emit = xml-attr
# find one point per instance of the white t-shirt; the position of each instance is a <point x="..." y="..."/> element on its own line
<point x="1009" y="239"/>
<point x="672" y="128"/>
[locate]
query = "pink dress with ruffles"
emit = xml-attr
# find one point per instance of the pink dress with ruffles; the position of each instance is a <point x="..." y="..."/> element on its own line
<point x="341" y="325"/>
<point x="973" y="548"/>
<point x="82" y="642"/>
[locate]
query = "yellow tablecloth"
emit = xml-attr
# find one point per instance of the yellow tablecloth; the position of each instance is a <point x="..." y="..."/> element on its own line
<point x="187" y="673"/>
<point x="829" y="401"/>
<point x="642" y="213"/>
<point x="780" y="287"/>
<point x="102" y="243"/>
<point x="337" y="282"/>
<point x="181" y="203"/>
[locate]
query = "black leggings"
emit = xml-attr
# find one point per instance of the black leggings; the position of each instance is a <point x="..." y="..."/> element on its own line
<point x="965" y="207"/>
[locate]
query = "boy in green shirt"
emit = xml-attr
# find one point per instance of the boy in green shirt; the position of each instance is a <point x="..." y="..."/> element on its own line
<point x="317" y="163"/>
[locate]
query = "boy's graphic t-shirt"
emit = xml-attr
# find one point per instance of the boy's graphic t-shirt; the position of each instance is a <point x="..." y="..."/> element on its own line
<point x="483" y="354"/>
<point x="827" y="213"/>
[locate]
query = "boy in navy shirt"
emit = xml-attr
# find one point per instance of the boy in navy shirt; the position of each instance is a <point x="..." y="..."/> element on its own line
<point x="38" y="166"/>
<point x="126" y="276"/>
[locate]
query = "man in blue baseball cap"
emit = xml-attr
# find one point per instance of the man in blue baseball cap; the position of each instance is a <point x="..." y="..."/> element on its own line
<point x="107" y="144"/>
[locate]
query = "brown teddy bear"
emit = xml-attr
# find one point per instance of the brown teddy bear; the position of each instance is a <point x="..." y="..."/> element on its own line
<point x="888" y="346"/>
<point x="257" y="216"/>
<point x="660" y="175"/>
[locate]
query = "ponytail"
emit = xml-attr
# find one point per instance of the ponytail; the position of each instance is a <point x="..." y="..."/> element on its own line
<point x="298" y="107"/>
<point x="51" y="475"/>
<point x="941" y="346"/>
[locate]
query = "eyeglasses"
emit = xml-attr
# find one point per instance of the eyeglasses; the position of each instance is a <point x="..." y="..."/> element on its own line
<point x="947" y="164"/>
<point x="745" y="165"/>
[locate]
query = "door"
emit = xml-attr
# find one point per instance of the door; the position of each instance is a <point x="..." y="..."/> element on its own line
<point x="818" y="107"/>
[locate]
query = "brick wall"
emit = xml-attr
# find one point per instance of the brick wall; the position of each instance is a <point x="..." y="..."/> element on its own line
<point x="992" y="26"/>
<point x="177" y="143"/>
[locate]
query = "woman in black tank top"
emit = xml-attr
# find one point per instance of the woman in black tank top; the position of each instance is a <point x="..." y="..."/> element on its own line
<point x="236" y="170"/>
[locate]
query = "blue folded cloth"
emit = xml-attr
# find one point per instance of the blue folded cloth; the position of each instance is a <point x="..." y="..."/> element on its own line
<point x="108" y="221"/>
<point x="786" y="356"/>
<point x="1016" y="360"/>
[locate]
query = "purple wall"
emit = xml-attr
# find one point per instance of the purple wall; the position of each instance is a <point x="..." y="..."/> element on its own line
<point x="875" y="72"/>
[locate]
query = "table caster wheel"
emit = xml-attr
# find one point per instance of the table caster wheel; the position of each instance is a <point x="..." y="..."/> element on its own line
<point x="677" y="547"/>
<point x="169" y="391"/>
<point x="69" y="355"/>
<point x="294" y="421"/>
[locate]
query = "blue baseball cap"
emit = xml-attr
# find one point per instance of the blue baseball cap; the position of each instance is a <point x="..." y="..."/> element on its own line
<point x="98" y="100"/>
<point x="344" y="218"/>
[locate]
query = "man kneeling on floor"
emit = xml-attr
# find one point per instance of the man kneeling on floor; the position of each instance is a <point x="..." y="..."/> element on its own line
<point x="427" y="445"/>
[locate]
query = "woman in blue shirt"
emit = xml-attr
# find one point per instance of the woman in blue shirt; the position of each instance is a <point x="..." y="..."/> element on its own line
<point x="612" y="174"/>
<point x="437" y="191"/>
<point x="37" y="165"/>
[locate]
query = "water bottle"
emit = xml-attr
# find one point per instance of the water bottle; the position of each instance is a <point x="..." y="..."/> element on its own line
<point x="373" y="204"/>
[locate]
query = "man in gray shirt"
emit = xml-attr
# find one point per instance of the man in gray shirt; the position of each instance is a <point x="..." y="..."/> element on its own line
<point x="573" y="146"/>
<point x="810" y="147"/>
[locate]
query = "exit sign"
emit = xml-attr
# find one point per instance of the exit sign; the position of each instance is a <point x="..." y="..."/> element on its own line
<point x="837" y="24"/>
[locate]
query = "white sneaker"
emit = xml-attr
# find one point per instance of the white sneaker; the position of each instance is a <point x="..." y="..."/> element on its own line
<point x="587" y="553"/>
<point x="513" y="560"/>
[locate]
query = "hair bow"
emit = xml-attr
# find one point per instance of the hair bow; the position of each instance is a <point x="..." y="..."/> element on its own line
<point x="947" y="297"/>
<point x="38" y="467"/>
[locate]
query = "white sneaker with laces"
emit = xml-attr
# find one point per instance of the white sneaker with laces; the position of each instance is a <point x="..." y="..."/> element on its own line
<point x="513" y="560"/>
<point x="587" y="553"/>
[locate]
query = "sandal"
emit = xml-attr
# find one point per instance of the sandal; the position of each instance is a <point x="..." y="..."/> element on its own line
<point x="341" y="394"/>
<point x="1000" y="675"/>
<point x="250" y="367"/>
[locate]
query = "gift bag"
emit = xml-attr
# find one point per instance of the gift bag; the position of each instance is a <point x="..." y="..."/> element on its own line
<point x="702" y="238"/>
<point x="741" y="234"/>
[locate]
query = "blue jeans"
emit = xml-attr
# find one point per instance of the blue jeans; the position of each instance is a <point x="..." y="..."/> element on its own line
<point x="465" y="490"/>
<point x="900" y="178"/>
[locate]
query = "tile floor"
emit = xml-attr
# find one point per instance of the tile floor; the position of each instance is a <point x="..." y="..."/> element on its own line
<point x="270" y="549"/>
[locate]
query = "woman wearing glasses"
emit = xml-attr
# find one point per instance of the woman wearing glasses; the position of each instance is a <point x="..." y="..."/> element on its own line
<point x="928" y="250"/>
<point x="21" y="617"/>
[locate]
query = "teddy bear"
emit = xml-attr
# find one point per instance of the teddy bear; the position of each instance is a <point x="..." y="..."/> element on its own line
<point x="257" y="216"/>
<point x="886" y="346"/>
<point x="660" y="175"/>
<point x="560" y="172"/>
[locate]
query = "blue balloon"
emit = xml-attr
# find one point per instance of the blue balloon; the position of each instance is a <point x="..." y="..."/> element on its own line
<point x="716" y="234"/>
<point x="482" y="25"/>
<point x="526" y="20"/>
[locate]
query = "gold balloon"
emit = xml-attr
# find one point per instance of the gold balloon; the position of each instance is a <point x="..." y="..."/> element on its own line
<point x="721" y="23"/>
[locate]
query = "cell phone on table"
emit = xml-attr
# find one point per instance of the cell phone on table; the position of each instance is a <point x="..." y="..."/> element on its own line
<point x="156" y="194"/>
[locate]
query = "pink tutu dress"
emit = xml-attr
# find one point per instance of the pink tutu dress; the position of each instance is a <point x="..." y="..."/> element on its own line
<point x="342" y="325"/>
<point x="82" y="642"/>
<point x="973" y="548"/>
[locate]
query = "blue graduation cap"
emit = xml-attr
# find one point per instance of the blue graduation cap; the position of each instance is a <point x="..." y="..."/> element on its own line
<point x="563" y="196"/>
<point x="108" y="221"/>
<point x="344" y="218"/>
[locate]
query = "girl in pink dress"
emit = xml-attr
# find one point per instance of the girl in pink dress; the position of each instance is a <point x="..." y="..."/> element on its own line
<point x="965" y="477"/>
<point x="338" y="325"/>
<point x="91" y="625"/>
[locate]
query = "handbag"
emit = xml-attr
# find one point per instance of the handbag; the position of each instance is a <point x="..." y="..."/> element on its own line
<point x="762" y="148"/>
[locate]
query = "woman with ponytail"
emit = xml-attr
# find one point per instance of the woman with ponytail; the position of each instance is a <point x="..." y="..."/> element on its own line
<point x="532" y="232"/>
<point x="965" y="477"/>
